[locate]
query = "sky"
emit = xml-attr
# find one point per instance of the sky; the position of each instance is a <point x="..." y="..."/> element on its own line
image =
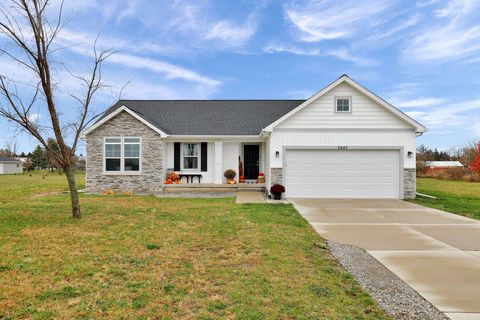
<point x="421" y="56"/>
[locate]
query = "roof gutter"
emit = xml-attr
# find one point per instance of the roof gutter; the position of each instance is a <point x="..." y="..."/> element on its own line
<point x="213" y="137"/>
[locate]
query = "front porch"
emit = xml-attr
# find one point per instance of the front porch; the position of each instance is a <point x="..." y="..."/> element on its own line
<point x="201" y="162"/>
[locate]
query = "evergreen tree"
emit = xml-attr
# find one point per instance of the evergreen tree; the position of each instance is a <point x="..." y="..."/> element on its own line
<point x="39" y="159"/>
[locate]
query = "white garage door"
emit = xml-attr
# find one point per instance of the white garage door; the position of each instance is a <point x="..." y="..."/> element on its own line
<point x="342" y="173"/>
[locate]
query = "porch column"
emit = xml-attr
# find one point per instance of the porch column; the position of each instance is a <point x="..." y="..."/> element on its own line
<point x="218" y="162"/>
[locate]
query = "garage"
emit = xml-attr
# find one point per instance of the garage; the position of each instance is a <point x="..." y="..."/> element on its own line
<point x="327" y="173"/>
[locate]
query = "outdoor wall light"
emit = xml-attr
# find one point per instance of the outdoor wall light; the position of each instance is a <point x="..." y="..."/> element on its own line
<point x="277" y="154"/>
<point x="410" y="154"/>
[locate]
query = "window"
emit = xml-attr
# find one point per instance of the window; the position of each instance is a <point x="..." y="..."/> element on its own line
<point x="131" y="154"/>
<point x="122" y="154"/>
<point x="343" y="104"/>
<point x="190" y="155"/>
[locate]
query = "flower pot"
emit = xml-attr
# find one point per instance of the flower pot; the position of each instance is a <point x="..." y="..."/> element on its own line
<point x="277" y="196"/>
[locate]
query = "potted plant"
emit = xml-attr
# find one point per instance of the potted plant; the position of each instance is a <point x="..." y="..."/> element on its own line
<point x="261" y="177"/>
<point x="277" y="190"/>
<point x="230" y="174"/>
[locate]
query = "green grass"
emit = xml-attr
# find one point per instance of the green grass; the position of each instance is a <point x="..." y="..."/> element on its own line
<point x="458" y="197"/>
<point x="142" y="257"/>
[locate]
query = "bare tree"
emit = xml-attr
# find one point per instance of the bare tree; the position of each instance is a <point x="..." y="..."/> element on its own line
<point x="11" y="148"/>
<point x="31" y="35"/>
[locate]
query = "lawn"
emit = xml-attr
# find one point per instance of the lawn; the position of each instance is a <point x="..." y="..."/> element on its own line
<point x="458" y="197"/>
<point x="143" y="257"/>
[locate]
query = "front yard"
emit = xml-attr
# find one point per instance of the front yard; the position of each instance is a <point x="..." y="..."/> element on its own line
<point x="458" y="197"/>
<point x="142" y="257"/>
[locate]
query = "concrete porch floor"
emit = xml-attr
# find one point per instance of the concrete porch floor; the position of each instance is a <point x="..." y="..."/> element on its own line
<point x="436" y="253"/>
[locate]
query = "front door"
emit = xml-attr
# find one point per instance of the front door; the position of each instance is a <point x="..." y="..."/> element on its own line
<point x="251" y="154"/>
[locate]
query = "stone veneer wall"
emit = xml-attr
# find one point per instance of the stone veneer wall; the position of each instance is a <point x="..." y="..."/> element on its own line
<point x="276" y="176"/>
<point x="409" y="183"/>
<point x="151" y="176"/>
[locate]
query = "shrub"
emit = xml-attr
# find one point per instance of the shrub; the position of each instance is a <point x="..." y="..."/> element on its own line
<point x="229" y="174"/>
<point x="421" y="169"/>
<point x="455" y="173"/>
<point x="277" y="188"/>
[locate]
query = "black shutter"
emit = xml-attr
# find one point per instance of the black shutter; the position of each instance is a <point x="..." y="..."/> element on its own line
<point x="203" y="153"/>
<point x="176" y="156"/>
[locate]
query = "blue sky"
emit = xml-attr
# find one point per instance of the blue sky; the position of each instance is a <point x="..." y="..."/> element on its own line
<point x="422" y="56"/>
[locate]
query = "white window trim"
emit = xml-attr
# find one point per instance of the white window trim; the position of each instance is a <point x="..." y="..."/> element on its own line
<point x="122" y="158"/>
<point x="349" y="104"/>
<point x="199" y="157"/>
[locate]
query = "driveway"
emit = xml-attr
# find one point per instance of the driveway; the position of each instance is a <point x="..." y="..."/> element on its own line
<point x="435" y="252"/>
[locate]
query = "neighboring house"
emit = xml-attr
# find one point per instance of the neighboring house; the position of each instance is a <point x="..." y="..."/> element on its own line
<point x="10" y="165"/>
<point x="436" y="166"/>
<point x="343" y="142"/>
<point x="23" y="160"/>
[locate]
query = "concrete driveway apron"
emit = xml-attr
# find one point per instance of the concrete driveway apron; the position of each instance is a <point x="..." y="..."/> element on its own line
<point x="435" y="252"/>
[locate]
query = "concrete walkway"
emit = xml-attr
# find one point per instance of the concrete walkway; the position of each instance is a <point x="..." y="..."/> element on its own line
<point x="436" y="253"/>
<point x="250" y="197"/>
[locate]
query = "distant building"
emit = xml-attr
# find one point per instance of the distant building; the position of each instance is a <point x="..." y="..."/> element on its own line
<point x="435" y="166"/>
<point x="80" y="162"/>
<point x="10" y="165"/>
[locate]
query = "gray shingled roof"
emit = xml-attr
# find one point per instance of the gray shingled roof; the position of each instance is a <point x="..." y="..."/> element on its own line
<point x="209" y="117"/>
<point x="8" y="159"/>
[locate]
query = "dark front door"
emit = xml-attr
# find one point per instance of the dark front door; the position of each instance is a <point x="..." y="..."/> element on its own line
<point x="251" y="154"/>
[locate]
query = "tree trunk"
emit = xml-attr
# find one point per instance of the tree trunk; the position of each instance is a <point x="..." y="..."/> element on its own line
<point x="72" y="185"/>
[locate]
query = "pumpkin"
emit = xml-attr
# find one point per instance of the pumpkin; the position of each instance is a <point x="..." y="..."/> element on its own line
<point x="169" y="181"/>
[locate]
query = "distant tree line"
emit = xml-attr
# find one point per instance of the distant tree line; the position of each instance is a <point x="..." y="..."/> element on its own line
<point x="466" y="154"/>
<point x="41" y="158"/>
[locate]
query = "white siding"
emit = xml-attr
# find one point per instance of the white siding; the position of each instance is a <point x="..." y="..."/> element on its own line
<point x="207" y="176"/>
<point x="10" y="168"/>
<point x="231" y="151"/>
<point x="366" y="113"/>
<point x="350" y="138"/>
<point x="267" y="161"/>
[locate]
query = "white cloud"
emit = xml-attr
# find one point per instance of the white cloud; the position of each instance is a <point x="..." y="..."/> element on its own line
<point x="455" y="35"/>
<point x="34" y="117"/>
<point x="406" y="24"/>
<point x="194" y="24"/>
<point x="455" y="7"/>
<point x="456" y="115"/>
<point x="232" y="35"/>
<point x="417" y="103"/>
<point x="170" y="71"/>
<point x="339" y="53"/>
<point x="82" y="43"/>
<point x="331" y="19"/>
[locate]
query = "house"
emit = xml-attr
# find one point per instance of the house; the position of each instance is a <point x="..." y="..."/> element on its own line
<point x="343" y="142"/>
<point x="438" y="166"/>
<point x="10" y="165"/>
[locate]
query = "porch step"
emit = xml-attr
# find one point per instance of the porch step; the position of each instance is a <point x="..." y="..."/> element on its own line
<point x="211" y="187"/>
